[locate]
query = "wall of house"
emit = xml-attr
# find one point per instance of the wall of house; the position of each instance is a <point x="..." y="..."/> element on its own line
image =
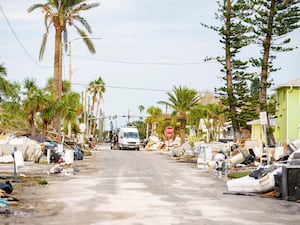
<point x="293" y="114"/>
<point x="281" y="115"/>
<point x="288" y="114"/>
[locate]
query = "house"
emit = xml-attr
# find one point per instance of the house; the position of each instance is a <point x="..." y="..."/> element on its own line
<point x="257" y="132"/>
<point x="288" y="111"/>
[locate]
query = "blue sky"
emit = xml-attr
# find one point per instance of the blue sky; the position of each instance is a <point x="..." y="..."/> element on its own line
<point x="145" y="44"/>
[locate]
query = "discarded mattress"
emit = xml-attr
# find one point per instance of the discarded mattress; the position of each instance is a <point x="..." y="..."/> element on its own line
<point x="256" y="182"/>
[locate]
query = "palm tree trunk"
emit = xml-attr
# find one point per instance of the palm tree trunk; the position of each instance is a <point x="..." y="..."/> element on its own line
<point x="44" y="130"/>
<point x="57" y="79"/>
<point x="32" y="124"/>
<point x="182" y="129"/>
<point x="91" y="117"/>
<point x="97" y="116"/>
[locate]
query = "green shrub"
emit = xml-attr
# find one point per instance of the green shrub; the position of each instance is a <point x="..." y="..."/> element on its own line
<point x="42" y="182"/>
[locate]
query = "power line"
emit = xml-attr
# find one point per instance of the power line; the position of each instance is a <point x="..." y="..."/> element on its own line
<point x="127" y="88"/>
<point x="19" y="41"/>
<point x="141" y="63"/>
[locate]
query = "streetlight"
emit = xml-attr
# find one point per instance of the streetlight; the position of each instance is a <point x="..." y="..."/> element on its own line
<point x="70" y="54"/>
<point x="70" y="68"/>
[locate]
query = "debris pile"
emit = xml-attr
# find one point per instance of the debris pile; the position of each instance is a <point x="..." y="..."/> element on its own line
<point x="6" y="199"/>
<point x="31" y="150"/>
<point x="269" y="169"/>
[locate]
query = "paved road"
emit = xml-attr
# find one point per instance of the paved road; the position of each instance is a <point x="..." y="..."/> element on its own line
<point x="146" y="188"/>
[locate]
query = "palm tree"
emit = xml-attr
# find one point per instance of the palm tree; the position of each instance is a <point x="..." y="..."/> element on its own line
<point x="181" y="101"/>
<point x="59" y="14"/>
<point x="96" y="89"/>
<point x="33" y="103"/>
<point x="141" y="109"/>
<point x="3" y="82"/>
<point x="72" y="107"/>
<point x="2" y="69"/>
<point x="156" y="116"/>
<point x="48" y="113"/>
<point x="69" y="105"/>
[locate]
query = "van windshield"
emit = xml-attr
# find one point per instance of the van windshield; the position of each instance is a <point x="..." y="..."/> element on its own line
<point x="131" y="135"/>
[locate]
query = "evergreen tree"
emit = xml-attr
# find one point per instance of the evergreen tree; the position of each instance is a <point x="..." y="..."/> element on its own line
<point x="272" y="21"/>
<point x="235" y="35"/>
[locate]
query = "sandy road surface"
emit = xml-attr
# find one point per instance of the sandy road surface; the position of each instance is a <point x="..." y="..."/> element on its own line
<point x="146" y="188"/>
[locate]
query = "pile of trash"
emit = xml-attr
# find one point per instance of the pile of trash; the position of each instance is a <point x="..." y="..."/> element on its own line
<point x="153" y="143"/>
<point x="277" y="172"/>
<point x="6" y="199"/>
<point x="57" y="153"/>
<point x="31" y="149"/>
<point x="269" y="168"/>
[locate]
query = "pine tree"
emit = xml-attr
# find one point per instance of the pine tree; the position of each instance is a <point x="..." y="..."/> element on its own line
<point x="235" y="35"/>
<point x="272" y="21"/>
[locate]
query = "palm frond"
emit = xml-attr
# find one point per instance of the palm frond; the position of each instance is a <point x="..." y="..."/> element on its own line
<point x="35" y="6"/>
<point x="43" y="46"/>
<point x="86" y="39"/>
<point x="85" y="6"/>
<point x="2" y="70"/>
<point x="84" y="23"/>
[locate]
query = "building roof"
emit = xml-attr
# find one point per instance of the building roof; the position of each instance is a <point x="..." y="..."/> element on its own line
<point x="258" y="121"/>
<point x="293" y="83"/>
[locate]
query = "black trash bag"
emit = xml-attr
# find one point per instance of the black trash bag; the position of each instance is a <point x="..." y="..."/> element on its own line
<point x="7" y="187"/>
<point x="259" y="173"/>
<point x="249" y="159"/>
<point x="262" y="171"/>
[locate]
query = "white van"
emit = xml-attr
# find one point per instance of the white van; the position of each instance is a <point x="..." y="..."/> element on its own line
<point x="129" y="138"/>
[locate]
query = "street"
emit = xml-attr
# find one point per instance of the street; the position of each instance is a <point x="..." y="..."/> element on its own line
<point x="146" y="188"/>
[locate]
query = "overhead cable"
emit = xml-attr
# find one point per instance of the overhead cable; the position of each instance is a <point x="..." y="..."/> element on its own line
<point x="19" y="41"/>
<point x="141" y="63"/>
<point x="128" y="88"/>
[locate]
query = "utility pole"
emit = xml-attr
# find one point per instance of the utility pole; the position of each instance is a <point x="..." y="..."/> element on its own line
<point x="87" y="118"/>
<point x="84" y="111"/>
<point x="100" y="134"/>
<point x="70" y="80"/>
<point x="70" y="64"/>
<point x="128" y="117"/>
